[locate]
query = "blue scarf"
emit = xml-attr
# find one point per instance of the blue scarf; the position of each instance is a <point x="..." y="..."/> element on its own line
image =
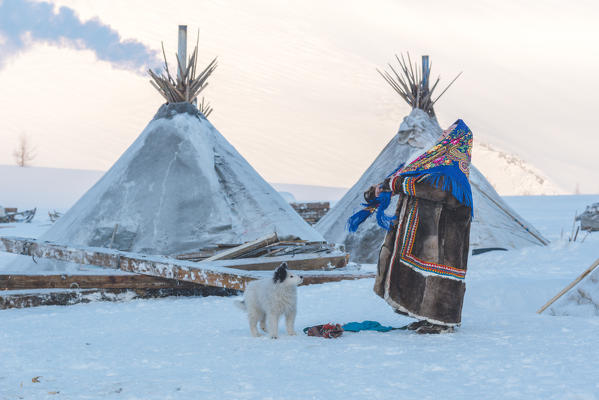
<point x="445" y="166"/>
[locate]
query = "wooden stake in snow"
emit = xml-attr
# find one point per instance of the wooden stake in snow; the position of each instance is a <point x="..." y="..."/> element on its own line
<point x="570" y="286"/>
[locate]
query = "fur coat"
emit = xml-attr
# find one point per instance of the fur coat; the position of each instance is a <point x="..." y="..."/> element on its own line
<point x="423" y="260"/>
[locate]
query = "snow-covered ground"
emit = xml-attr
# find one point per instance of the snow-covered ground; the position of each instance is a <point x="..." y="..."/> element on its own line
<point x="200" y="348"/>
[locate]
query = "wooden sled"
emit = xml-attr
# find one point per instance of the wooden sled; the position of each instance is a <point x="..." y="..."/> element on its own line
<point x="12" y="215"/>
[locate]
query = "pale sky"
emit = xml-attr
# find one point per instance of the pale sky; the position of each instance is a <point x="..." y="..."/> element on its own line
<point x="296" y="90"/>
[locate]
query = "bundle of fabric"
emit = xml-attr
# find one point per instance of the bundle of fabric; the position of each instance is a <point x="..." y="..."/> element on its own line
<point x="327" y="331"/>
<point x="331" y="330"/>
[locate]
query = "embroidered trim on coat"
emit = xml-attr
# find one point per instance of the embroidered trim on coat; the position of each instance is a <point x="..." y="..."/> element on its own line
<point x="409" y="259"/>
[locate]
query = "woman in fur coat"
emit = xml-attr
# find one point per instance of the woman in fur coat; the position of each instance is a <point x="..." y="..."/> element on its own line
<point x="423" y="260"/>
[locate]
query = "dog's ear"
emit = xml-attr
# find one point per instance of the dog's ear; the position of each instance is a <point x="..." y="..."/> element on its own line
<point x="280" y="273"/>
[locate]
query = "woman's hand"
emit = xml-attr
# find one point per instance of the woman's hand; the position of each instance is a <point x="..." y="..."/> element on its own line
<point x="375" y="190"/>
<point x="371" y="194"/>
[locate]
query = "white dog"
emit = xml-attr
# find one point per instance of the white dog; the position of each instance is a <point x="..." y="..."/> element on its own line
<point x="265" y="300"/>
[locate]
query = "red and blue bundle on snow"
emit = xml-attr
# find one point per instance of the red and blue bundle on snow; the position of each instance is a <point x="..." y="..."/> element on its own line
<point x="445" y="166"/>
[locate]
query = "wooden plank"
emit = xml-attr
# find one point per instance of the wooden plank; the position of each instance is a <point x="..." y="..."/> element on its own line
<point x="221" y="273"/>
<point x="20" y="282"/>
<point x="323" y="278"/>
<point x="70" y="297"/>
<point x="148" y="265"/>
<point x="176" y="269"/>
<point x="300" y="262"/>
<point x="244" y="248"/>
<point x="196" y="256"/>
<point x="570" y="286"/>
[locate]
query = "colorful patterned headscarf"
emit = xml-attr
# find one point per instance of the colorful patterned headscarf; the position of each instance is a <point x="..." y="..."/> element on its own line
<point x="447" y="163"/>
<point x="455" y="149"/>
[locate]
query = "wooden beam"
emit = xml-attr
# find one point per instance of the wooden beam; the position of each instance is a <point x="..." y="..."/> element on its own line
<point x="322" y="278"/>
<point x="183" y="271"/>
<point x="20" y="282"/>
<point x="70" y="297"/>
<point x="570" y="286"/>
<point x="196" y="256"/>
<point x="230" y="274"/>
<point x="244" y="248"/>
<point x="300" y="262"/>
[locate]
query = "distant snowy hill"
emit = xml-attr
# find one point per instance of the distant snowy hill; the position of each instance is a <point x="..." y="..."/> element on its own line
<point x="510" y="175"/>
<point x="57" y="188"/>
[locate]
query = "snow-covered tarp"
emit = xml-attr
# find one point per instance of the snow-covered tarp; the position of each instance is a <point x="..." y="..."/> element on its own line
<point x="179" y="187"/>
<point x="495" y="224"/>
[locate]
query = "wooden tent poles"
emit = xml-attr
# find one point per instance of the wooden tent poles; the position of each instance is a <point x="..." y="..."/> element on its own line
<point x="413" y="85"/>
<point x="187" y="85"/>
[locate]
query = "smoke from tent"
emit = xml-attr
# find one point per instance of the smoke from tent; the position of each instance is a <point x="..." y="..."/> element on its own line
<point x="23" y="23"/>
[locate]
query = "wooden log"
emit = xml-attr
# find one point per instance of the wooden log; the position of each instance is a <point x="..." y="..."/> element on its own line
<point x="220" y="273"/>
<point x="163" y="267"/>
<point x="20" y="282"/>
<point x="244" y="248"/>
<point x="80" y="255"/>
<point x="70" y="297"/>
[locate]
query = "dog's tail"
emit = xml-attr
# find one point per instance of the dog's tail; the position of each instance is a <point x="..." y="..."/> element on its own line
<point x="241" y="305"/>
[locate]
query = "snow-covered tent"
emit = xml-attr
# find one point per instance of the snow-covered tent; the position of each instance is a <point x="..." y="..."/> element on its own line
<point x="495" y="224"/>
<point x="181" y="186"/>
